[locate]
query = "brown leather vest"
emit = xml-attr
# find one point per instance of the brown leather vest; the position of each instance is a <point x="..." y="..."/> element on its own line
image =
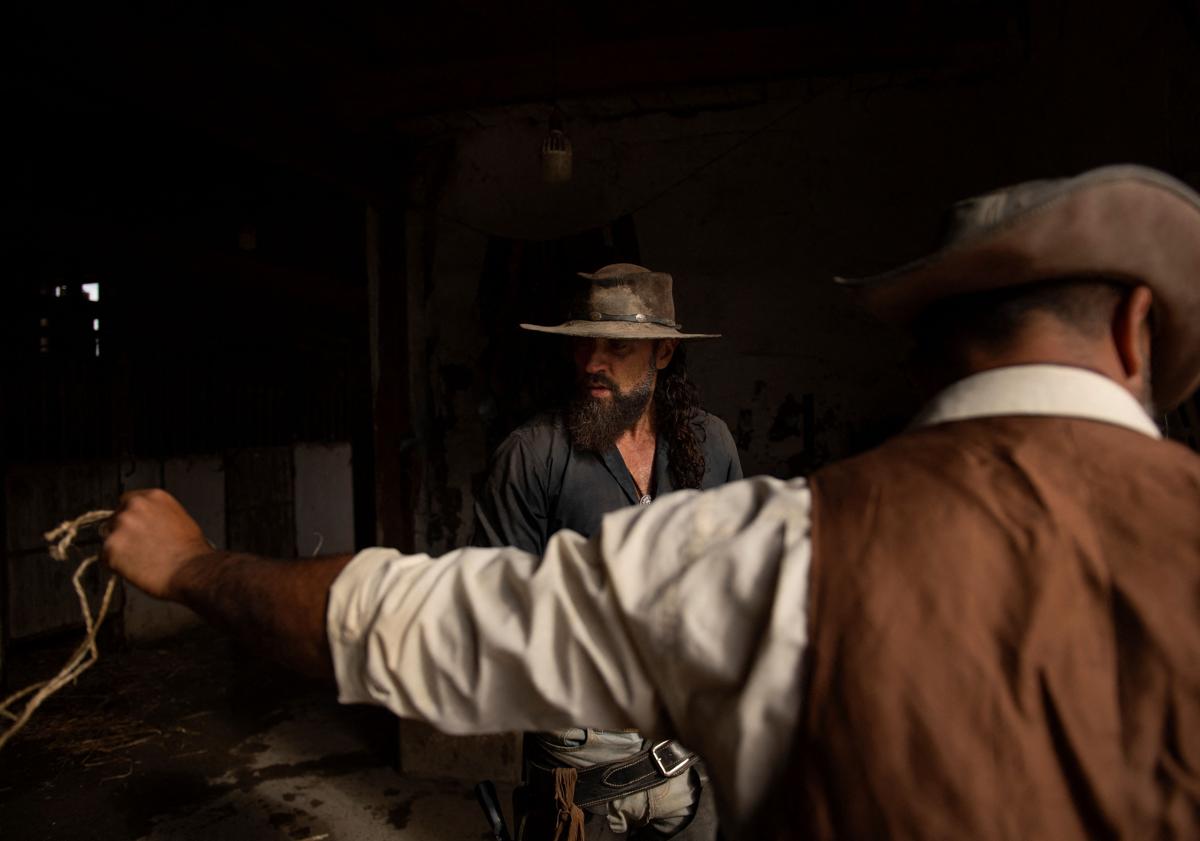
<point x="1005" y="638"/>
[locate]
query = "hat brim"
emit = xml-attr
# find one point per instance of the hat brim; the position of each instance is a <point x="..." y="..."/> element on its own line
<point x="1126" y="223"/>
<point x="616" y="330"/>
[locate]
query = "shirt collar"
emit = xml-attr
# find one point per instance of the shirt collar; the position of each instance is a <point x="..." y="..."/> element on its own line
<point x="1055" y="390"/>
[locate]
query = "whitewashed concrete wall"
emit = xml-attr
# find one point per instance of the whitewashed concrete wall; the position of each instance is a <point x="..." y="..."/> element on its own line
<point x="323" y="480"/>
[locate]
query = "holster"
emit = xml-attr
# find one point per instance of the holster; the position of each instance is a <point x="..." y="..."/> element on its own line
<point x="547" y="803"/>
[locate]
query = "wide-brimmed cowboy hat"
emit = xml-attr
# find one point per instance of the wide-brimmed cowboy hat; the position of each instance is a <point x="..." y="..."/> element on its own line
<point x="1126" y="223"/>
<point x="623" y="301"/>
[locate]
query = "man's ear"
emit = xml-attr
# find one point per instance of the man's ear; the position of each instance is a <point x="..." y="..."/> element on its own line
<point x="1131" y="335"/>
<point x="665" y="352"/>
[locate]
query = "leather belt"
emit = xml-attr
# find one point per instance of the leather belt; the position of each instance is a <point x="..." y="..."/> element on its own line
<point x="601" y="783"/>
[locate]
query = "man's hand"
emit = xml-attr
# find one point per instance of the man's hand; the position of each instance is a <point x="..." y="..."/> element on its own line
<point x="276" y="605"/>
<point x="151" y="540"/>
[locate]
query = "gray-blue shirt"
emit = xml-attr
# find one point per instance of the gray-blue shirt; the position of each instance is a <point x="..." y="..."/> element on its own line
<point x="539" y="483"/>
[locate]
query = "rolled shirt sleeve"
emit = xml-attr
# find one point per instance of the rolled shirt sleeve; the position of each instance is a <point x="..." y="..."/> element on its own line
<point x="684" y="618"/>
<point x="479" y="640"/>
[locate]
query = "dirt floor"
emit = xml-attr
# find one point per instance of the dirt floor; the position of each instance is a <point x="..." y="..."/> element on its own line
<point x="197" y="739"/>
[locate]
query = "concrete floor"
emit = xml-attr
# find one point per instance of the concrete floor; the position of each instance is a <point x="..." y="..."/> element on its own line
<point x="196" y="739"/>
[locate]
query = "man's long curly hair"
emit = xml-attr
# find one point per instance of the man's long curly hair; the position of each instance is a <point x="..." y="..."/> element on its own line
<point x="678" y="416"/>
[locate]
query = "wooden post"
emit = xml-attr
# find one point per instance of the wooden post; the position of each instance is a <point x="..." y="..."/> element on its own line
<point x="387" y="307"/>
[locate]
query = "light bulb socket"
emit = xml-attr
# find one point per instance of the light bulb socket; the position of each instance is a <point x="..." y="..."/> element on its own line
<point x="556" y="157"/>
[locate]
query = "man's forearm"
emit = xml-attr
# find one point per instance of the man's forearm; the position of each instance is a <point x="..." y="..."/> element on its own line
<point x="276" y="606"/>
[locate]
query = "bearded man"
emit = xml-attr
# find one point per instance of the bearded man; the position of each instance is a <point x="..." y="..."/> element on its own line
<point x="633" y="432"/>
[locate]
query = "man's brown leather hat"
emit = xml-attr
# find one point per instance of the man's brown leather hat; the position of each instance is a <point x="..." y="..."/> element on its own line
<point x="623" y="301"/>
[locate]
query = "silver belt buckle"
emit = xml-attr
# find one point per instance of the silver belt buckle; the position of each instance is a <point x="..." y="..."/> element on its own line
<point x="674" y="753"/>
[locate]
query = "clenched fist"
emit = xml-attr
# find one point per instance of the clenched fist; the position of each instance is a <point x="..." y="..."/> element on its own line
<point x="151" y="539"/>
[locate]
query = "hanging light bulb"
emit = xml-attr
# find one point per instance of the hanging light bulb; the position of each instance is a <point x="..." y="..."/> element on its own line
<point x="556" y="153"/>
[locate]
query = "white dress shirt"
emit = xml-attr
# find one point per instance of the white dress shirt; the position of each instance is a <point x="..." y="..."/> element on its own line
<point x="685" y="618"/>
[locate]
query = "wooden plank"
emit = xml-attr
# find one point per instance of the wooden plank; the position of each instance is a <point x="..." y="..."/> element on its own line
<point x="259" y="502"/>
<point x="38" y="497"/>
<point x="387" y="295"/>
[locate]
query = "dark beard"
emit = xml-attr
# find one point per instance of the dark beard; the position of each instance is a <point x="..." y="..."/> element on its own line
<point x="595" y="423"/>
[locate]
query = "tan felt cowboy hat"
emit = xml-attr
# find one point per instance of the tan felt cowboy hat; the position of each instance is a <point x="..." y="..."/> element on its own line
<point x="623" y="301"/>
<point x="1126" y="223"/>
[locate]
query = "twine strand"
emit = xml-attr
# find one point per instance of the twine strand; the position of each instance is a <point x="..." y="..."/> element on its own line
<point x="61" y="540"/>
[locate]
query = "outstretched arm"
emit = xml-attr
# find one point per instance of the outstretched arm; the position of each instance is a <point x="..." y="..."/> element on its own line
<point x="471" y="642"/>
<point x="277" y="606"/>
<point x="675" y="615"/>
